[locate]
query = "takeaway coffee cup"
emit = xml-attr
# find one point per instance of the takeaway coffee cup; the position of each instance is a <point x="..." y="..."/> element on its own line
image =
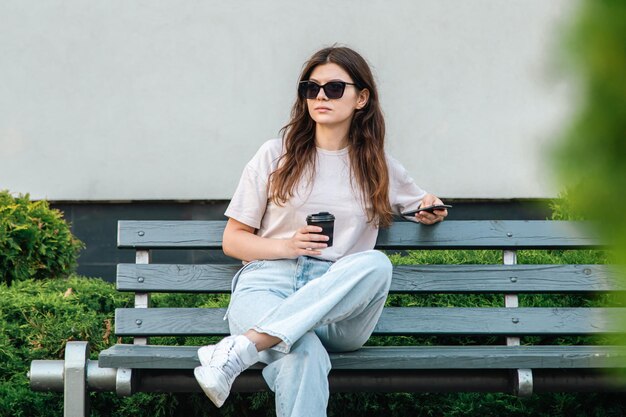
<point x="324" y="220"/>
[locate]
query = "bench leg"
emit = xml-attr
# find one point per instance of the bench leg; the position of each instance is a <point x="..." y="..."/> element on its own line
<point x="75" y="393"/>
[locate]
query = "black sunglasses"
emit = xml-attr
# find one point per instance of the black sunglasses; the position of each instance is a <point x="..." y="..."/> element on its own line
<point x="332" y="89"/>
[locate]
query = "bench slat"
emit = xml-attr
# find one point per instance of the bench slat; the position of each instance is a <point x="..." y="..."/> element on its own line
<point x="501" y="234"/>
<point x="213" y="278"/>
<point x="175" y="234"/>
<point x="504" y="234"/>
<point x="406" y="278"/>
<point x="406" y="357"/>
<point x="395" y="320"/>
<point x="509" y="279"/>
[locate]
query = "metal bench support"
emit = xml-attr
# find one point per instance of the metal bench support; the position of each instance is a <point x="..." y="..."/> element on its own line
<point x="75" y="394"/>
<point x="524" y="383"/>
<point x="524" y="378"/>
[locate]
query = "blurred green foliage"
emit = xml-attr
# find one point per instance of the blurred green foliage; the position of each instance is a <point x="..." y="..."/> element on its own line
<point x="592" y="156"/>
<point x="35" y="241"/>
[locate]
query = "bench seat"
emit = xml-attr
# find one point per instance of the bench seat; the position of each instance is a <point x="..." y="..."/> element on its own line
<point x="397" y="357"/>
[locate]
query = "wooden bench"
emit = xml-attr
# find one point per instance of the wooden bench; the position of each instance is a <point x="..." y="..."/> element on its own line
<point x="513" y="366"/>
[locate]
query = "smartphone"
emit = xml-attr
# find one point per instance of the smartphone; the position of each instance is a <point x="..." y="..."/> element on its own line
<point x="429" y="209"/>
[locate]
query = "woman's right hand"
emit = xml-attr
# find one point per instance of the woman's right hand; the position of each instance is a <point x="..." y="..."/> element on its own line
<point x="306" y="241"/>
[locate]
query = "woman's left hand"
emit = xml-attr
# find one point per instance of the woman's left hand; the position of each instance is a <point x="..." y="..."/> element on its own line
<point x="431" y="218"/>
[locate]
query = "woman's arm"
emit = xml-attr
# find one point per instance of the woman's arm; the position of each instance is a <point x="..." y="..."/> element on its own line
<point x="240" y="242"/>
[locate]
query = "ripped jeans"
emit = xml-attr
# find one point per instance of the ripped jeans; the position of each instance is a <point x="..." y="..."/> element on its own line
<point x="313" y="306"/>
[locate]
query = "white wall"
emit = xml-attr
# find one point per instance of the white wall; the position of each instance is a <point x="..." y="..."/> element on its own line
<point x="128" y="100"/>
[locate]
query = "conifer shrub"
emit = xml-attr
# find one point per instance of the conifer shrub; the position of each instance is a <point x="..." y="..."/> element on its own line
<point x="37" y="319"/>
<point x="35" y="240"/>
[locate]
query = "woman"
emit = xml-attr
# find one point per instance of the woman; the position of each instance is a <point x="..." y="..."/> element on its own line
<point x="297" y="298"/>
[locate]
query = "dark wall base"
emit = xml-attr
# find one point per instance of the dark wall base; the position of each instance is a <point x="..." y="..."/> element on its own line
<point x="95" y="223"/>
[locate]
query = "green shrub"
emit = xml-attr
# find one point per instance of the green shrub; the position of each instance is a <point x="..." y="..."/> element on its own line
<point x="35" y="241"/>
<point x="38" y="318"/>
<point x="562" y="209"/>
<point x="591" y="157"/>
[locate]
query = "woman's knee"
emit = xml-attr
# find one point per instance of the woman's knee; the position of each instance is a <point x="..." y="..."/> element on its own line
<point x="380" y="260"/>
<point x="378" y="266"/>
<point x="370" y="259"/>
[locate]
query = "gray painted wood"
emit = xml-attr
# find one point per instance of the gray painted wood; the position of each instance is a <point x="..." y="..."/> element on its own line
<point x="507" y="278"/>
<point x="179" y="234"/>
<point x="413" y="357"/>
<point x="176" y="278"/>
<point x="500" y="321"/>
<point x="406" y="279"/>
<point x="396" y="320"/>
<point x="505" y="234"/>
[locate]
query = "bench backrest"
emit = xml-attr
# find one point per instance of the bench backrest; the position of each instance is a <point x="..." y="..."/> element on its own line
<point x="508" y="279"/>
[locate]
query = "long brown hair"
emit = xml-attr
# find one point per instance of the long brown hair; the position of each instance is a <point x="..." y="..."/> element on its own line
<point x="366" y="138"/>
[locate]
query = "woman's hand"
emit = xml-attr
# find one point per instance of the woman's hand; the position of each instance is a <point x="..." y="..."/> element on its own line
<point x="241" y="242"/>
<point x="306" y="241"/>
<point x="431" y="218"/>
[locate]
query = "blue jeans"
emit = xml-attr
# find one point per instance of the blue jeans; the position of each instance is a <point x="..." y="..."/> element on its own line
<point x="313" y="306"/>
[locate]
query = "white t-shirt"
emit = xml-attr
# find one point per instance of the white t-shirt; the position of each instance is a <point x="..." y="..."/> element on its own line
<point x="330" y="190"/>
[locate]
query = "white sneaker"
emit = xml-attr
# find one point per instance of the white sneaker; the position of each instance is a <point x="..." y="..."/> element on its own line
<point x="205" y="353"/>
<point x="222" y="363"/>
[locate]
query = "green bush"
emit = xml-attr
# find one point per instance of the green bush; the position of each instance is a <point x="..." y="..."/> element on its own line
<point x="37" y="318"/>
<point x="35" y="241"/>
<point x="591" y="157"/>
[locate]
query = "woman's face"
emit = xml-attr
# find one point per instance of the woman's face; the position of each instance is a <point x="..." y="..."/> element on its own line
<point x="334" y="112"/>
